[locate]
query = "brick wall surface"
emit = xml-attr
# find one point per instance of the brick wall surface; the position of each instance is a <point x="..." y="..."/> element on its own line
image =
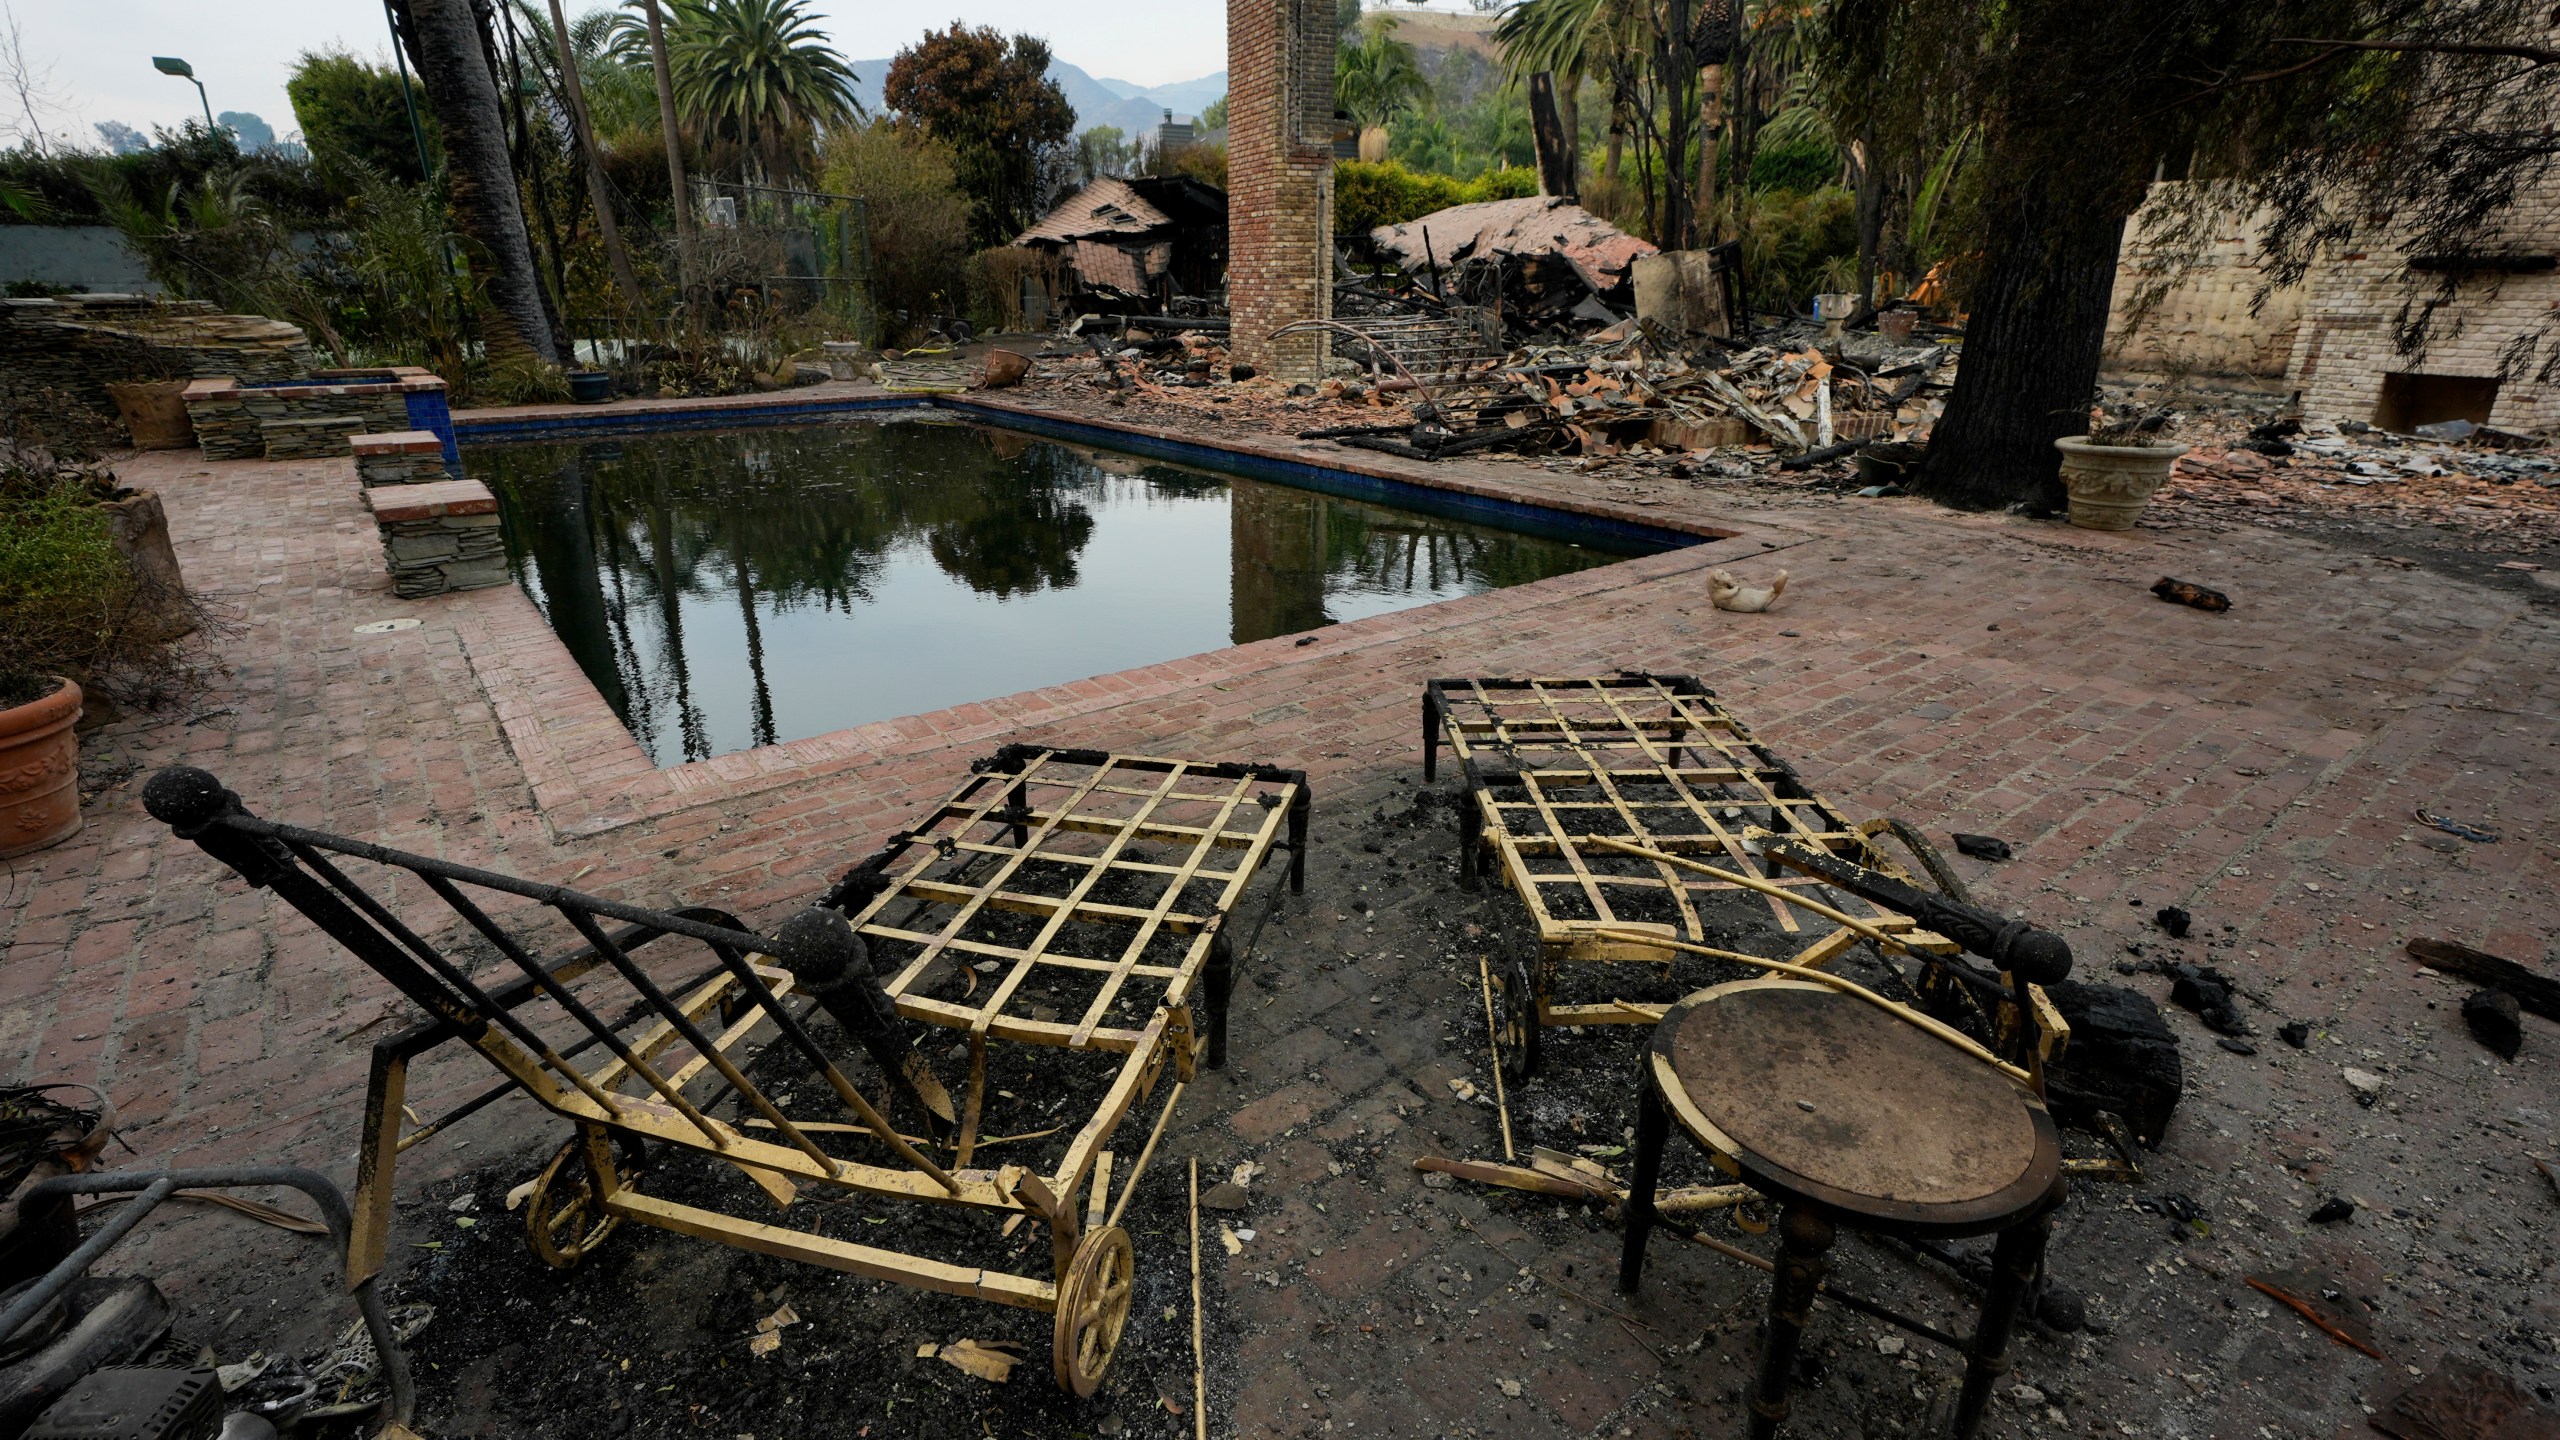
<point x="2488" y="325"/>
<point x="1280" y="180"/>
<point x="2338" y="334"/>
<point x="2213" y="320"/>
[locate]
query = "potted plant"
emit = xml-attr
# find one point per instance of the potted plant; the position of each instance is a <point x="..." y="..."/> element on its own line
<point x="39" y="761"/>
<point x="82" y="622"/>
<point x="2112" y="471"/>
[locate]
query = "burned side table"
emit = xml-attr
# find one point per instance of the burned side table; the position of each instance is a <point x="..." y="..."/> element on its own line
<point x="1068" y="908"/>
<point x="1850" y="1116"/>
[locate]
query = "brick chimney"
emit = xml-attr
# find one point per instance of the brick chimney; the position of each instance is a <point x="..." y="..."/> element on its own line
<point x="1280" y="181"/>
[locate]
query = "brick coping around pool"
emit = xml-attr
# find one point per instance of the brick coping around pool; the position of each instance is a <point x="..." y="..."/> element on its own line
<point x="820" y="403"/>
<point x="589" y="775"/>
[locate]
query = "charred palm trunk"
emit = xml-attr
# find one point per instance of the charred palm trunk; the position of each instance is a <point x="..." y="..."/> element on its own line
<point x="1869" y="167"/>
<point x="480" y="180"/>
<point x="1674" y="70"/>
<point x="2031" y="352"/>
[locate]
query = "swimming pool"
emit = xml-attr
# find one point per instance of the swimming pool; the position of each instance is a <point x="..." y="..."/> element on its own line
<point x="729" y="589"/>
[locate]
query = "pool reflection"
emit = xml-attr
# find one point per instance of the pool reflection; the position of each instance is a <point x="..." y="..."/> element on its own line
<point x="736" y="589"/>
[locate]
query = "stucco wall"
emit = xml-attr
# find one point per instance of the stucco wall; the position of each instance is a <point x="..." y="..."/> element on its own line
<point x="85" y="257"/>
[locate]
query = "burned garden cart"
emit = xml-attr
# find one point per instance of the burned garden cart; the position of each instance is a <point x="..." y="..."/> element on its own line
<point x="1067" y="912"/>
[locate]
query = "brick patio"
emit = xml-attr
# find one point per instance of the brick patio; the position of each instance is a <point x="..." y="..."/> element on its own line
<point x="1982" y="673"/>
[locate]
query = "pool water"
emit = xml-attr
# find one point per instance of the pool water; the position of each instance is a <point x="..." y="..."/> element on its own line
<point x="732" y="589"/>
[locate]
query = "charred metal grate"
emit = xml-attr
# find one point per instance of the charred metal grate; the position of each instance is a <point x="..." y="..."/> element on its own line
<point x="1655" y="760"/>
<point x="1102" y="880"/>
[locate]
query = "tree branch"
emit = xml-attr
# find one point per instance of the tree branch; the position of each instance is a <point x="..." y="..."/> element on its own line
<point x="2539" y="55"/>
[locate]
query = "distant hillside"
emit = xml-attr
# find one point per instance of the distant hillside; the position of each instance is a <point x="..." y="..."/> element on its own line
<point x="1433" y="30"/>
<point x="1135" y="110"/>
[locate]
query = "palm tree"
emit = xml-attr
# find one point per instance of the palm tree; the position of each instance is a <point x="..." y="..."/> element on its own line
<point x="444" y="37"/>
<point x="556" y="52"/>
<point x="757" y="75"/>
<point x="1375" y="79"/>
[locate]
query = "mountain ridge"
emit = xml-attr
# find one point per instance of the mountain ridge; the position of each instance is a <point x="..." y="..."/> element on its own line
<point x="1134" y="110"/>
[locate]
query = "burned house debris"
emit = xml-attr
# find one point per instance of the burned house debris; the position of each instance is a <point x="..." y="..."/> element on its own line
<point x="1561" y="268"/>
<point x="1140" y="245"/>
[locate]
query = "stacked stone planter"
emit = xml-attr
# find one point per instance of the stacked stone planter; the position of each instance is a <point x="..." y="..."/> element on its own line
<point x="439" y="536"/>
<point x="403" y="457"/>
<point x="239" y="420"/>
<point x="72" y="348"/>
<point x="315" y="437"/>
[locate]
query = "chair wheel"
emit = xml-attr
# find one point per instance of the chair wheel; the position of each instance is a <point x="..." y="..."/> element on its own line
<point x="1093" y="1308"/>
<point x="565" y="1218"/>
<point x="1515" y="1023"/>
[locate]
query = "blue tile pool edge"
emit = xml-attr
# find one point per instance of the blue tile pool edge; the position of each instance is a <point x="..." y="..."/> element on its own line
<point x="1630" y="537"/>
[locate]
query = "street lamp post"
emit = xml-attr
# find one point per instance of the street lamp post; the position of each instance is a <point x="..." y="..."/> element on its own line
<point x="172" y="65"/>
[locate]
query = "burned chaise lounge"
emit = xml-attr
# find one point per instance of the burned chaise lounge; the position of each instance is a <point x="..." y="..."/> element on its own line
<point x="1106" y="881"/>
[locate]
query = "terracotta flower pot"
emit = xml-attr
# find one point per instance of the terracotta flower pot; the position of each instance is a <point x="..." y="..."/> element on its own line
<point x="39" y="771"/>
<point x="2110" y="484"/>
<point x="1005" y="369"/>
<point x="155" y="411"/>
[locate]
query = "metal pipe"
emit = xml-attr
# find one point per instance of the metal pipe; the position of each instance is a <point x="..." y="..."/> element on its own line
<point x="150" y="1187"/>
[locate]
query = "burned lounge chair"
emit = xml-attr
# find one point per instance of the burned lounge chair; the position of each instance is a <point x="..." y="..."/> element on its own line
<point x="1066" y="909"/>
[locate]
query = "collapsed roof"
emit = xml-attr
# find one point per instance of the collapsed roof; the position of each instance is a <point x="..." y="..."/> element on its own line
<point x="1133" y="207"/>
<point x="1533" y="226"/>
<point x="1123" y="236"/>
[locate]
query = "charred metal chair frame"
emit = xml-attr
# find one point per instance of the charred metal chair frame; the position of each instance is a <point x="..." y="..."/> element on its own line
<point x="1074" y="807"/>
<point x="1574" y="747"/>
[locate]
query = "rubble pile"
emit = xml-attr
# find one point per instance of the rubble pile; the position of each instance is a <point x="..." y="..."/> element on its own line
<point x="1632" y="390"/>
<point x="2484" y="481"/>
<point x="1547" y="269"/>
<point x="1645" y="391"/>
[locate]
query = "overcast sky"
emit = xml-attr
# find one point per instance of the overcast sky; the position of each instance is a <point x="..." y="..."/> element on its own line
<point x="100" y="53"/>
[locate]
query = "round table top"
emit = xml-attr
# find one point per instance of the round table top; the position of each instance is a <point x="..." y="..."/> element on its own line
<point x="1825" y="1096"/>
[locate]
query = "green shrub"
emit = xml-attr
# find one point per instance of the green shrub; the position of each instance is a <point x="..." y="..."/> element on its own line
<point x="65" y="591"/>
<point x="351" y="109"/>
<point x="62" y="187"/>
<point x="1793" y="246"/>
<point x="919" y="220"/>
<point x="1366" y="196"/>
<point x="72" y="603"/>
<point x="1800" y="163"/>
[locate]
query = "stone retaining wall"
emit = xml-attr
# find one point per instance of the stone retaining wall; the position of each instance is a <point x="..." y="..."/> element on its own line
<point x="439" y="536"/>
<point x="68" y="350"/>
<point x="313" y="437"/>
<point x="231" y="415"/>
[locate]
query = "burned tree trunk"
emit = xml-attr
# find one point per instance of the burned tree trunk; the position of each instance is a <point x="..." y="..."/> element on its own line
<point x="2031" y="352"/>
<point x="1554" y="143"/>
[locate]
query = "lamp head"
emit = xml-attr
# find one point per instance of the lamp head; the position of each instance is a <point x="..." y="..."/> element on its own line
<point x="172" y="65"/>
